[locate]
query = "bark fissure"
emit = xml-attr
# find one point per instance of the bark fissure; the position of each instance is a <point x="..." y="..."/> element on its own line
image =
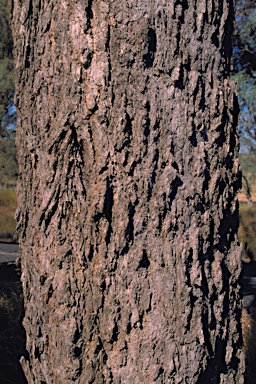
<point x="152" y="44"/>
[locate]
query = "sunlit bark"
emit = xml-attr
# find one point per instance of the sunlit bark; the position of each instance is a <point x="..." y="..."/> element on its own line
<point x="129" y="173"/>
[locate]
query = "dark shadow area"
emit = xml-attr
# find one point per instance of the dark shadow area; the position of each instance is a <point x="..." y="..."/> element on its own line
<point x="12" y="336"/>
<point x="248" y="283"/>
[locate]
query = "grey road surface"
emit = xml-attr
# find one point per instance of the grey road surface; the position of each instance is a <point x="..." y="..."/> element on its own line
<point x="8" y="252"/>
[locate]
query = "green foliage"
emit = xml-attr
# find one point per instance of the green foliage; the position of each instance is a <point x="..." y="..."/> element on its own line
<point x="247" y="121"/>
<point x="247" y="230"/>
<point x="8" y="204"/>
<point x="248" y="166"/>
<point x="6" y="42"/>
<point x="245" y="71"/>
<point x="245" y="33"/>
<point x="7" y="88"/>
<point x="8" y="162"/>
<point x="6" y="91"/>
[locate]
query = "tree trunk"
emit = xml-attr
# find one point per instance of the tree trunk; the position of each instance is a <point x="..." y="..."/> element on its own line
<point x="129" y="174"/>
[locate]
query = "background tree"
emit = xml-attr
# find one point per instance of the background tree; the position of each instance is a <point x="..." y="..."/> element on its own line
<point x="129" y="172"/>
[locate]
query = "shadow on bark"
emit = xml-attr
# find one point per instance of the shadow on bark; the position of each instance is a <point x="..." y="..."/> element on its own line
<point x="12" y="336"/>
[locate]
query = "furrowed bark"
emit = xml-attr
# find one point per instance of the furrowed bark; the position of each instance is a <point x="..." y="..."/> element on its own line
<point x="128" y="213"/>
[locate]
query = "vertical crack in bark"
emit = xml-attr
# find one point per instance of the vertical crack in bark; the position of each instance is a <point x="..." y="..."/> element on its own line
<point x="226" y="290"/>
<point x="107" y="210"/>
<point x="49" y="207"/>
<point x="128" y="125"/>
<point x="175" y="184"/>
<point x="108" y="40"/>
<point x="27" y="56"/>
<point x="205" y="312"/>
<point x="153" y="175"/>
<point x="144" y="262"/>
<point x="216" y="364"/>
<point x="193" y="299"/>
<point x="228" y="31"/>
<point x="152" y="41"/>
<point x="179" y="83"/>
<point x="89" y="14"/>
<point x="129" y="231"/>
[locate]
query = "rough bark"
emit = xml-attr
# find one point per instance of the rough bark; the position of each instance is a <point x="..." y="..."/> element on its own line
<point x="129" y="173"/>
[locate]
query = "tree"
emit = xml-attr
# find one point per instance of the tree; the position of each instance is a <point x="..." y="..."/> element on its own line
<point x="245" y="71"/>
<point x="128" y="214"/>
